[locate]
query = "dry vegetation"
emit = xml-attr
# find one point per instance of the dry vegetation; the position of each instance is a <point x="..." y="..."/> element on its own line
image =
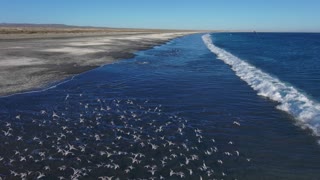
<point x="32" y="30"/>
<point x="48" y="30"/>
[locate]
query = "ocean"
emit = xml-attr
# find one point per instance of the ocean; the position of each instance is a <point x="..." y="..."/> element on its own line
<point x="202" y="106"/>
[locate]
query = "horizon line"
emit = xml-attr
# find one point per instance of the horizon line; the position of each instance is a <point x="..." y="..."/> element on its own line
<point x="56" y="25"/>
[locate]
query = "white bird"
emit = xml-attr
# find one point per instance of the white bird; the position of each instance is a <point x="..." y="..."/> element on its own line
<point x="154" y="146"/>
<point x="97" y="137"/>
<point x="152" y="171"/>
<point x="187" y="161"/>
<point x="35" y="138"/>
<point x="55" y="115"/>
<point x="66" y="98"/>
<point x="7" y="133"/>
<point x="22" y="158"/>
<point x="172" y="172"/>
<point x="197" y="130"/>
<point x="134" y="160"/>
<point x="41" y="175"/>
<point x="236" y="123"/>
<point x="71" y="147"/>
<point x="13" y="173"/>
<point x="62" y="168"/>
<point x="204" y="166"/>
<point x="181" y="174"/>
<point x="237" y="152"/>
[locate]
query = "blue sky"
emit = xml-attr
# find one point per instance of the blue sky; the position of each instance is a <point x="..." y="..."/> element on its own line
<point x="260" y="15"/>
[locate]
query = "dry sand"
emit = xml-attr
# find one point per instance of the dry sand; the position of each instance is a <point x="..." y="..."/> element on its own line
<point x="29" y="61"/>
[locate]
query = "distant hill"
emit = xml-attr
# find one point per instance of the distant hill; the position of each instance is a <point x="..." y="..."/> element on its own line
<point x="28" y="25"/>
<point x="28" y="28"/>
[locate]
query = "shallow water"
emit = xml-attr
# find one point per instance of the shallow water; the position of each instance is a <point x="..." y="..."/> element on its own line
<point x="172" y="111"/>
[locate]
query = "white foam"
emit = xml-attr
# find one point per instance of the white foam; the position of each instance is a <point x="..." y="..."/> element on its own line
<point x="305" y="110"/>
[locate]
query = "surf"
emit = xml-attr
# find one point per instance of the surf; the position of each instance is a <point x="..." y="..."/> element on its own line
<point x="305" y="110"/>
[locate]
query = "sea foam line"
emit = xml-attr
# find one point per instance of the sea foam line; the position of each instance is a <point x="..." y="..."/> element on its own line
<point x="305" y="110"/>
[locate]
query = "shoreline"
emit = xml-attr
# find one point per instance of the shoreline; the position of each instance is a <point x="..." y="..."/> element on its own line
<point x="36" y="61"/>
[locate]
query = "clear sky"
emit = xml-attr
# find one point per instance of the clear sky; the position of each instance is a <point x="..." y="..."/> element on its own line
<point x="260" y="15"/>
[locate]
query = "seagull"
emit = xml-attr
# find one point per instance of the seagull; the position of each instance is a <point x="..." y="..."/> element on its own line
<point x="236" y="123"/>
<point x="204" y="166"/>
<point x="152" y="171"/>
<point x="54" y="115"/>
<point x="66" y="98"/>
<point x="41" y="175"/>
<point x="71" y="147"/>
<point x="134" y="160"/>
<point x="105" y="178"/>
<point x="13" y="173"/>
<point x="62" y="168"/>
<point x="154" y="146"/>
<point x="22" y="158"/>
<point x="197" y="130"/>
<point x="187" y="161"/>
<point x="7" y="133"/>
<point x="181" y="174"/>
<point x="97" y="137"/>
<point x="237" y="152"/>
<point x="172" y="172"/>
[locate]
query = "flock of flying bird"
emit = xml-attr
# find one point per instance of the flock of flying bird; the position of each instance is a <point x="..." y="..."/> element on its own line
<point x="110" y="139"/>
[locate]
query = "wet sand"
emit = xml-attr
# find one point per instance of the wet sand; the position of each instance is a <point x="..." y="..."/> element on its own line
<point x="36" y="60"/>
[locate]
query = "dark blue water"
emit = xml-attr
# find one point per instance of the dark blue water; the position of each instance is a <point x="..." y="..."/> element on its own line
<point x="173" y="111"/>
<point x="293" y="58"/>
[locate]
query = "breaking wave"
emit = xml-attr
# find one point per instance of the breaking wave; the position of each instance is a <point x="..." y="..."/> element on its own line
<point x="305" y="110"/>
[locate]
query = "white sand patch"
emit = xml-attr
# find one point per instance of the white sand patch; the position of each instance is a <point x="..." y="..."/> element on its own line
<point x="160" y="36"/>
<point x="13" y="47"/>
<point x="110" y="40"/>
<point x="74" y="51"/>
<point x="90" y="43"/>
<point x="19" y="61"/>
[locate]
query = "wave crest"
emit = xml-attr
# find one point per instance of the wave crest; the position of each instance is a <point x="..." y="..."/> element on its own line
<point x="302" y="108"/>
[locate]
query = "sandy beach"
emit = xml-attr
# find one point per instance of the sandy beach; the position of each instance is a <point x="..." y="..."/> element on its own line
<point x="32" y="58"/>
